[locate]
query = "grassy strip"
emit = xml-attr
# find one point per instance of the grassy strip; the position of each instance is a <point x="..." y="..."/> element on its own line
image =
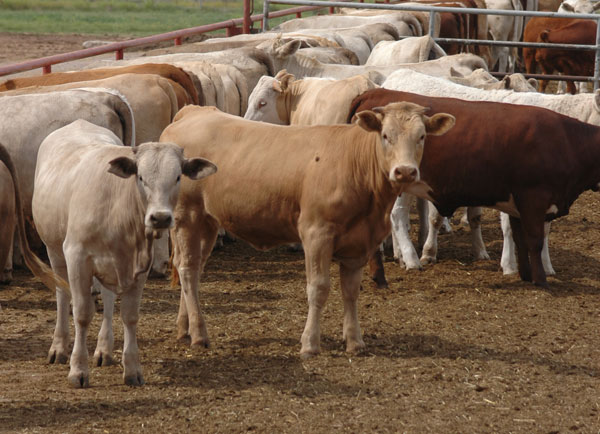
<point x="126" y="18"/>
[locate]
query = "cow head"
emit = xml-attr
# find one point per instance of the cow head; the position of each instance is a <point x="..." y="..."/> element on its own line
<point x="402" y="128"/>
<point x="158" y="168"/>
<point x="263" y="101"/>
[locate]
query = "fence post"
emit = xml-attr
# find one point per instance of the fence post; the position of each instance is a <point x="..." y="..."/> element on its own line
<point x="432" y="23"/>
<point x="119" y="54"/>
<point x="265" y="23"/>
<point x="247" y="21"/>
<point x="597" y="57"/>
<point x="47" y="69"/>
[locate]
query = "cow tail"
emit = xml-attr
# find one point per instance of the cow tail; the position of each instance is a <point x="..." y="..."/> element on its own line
<point x="48" y="277"/>
<point x="168" y="89"/>
<point x="183" y="78"/>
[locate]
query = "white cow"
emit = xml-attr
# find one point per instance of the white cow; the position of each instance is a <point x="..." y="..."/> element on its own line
<point x="409" y="50"/>
<point x="584" y="107"/>
<point x="504" y="28"/>
<point x="8" y="218"/>
<point x="284" y="100"/>
<point x="405" y="23"/>
<point x="282" y="55"/>
<point x="98" y="206"/>
<point x="578" y="7"/>
<point x="25" y="120"/>
<point x="482" y="79"/>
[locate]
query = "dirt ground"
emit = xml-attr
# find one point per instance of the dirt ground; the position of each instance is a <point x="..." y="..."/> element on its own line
<point x="456" y="348"/>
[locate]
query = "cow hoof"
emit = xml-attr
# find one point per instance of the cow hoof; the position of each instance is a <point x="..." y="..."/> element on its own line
<point x="428" y="260"/>
<point x="201" y="343"/>
<point x="103" y="359"/>
<point x="417" y="266"/>
<point x="184" y="338"/>
<point x="6" y="277"/>
<point x="355" y="347"/>
<point x="309" y="354"/>
<point x="134" y="380"/>
<point x="57" y="357"/>
<point x="79" y="381"/>
<point x="483" y="256"/>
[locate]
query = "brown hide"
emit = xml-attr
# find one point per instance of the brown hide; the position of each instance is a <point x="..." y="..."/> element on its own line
<point x="178" y="78"/>
<point x="531" y="33"/>
<point x="496" y="150"/>
<point x="568" y="62"/>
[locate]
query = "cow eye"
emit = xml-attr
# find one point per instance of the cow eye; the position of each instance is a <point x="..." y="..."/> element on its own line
<point x="262" y="103"/>
<point x="140" y="178"/>
<point x="178" y="178"/>
<point x="385" y="137"/>
<point x="422" y="137"/>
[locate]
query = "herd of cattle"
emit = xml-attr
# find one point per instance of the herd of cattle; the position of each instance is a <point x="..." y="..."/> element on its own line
<point x="319" y="132"/>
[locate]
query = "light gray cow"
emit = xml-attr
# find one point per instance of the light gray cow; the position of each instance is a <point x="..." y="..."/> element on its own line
<point x="98" y="206"/>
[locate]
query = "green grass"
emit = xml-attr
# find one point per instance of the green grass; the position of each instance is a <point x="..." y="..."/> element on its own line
<point x="116" y="17"/>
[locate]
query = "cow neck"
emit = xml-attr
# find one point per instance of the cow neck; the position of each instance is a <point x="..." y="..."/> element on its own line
<point x="304" y="66"/>
<point x="284" y="106"/>
<point x="366" y="163"/>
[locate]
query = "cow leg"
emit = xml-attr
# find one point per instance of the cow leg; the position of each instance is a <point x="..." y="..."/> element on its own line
<point x="403" y="246"/>
<point x="435" y="220"/>
<point x="80" y="281"/>
<point x="478" y="246"/>
<point x="58" y="352"/>
<point x="130" y="312"/>
<point x="350" y="283"/>
<point x="423" y="212"/>
<point x="546" y="253"/>
<point x="6" y="263"/>
<point x="193" y="242"/>
<point x="521" y="247"/>
<point x="160" y="257"/>
<point x="106" y="338"/>
<point x="508" y="261"/>
<point x="318" y="251"/>
<point x="376" y="270"/>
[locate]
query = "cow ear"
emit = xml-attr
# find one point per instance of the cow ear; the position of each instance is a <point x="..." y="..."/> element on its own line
<point x="288" y="48"/>
<point x="455" y="73"/>
<point x="123" y="167"/>
<point x="533" y="82"/>
<point x="506" y="81"/>
<point x="567" y="7"/>
<point x="368" y="120"/>
<point x="439" y="123"/>
<point x="597" y="100"/>
<point x="198" y="168"/>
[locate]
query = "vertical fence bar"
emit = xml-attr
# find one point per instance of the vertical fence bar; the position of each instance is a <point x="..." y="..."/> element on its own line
<point x="597" y="58"/>
<point x="47" y="69"/>
<point x="178" y="41"/>
<point x="119" y="54"/>
<point x="431" y="23"/>
<point x="247" y="21"/>
<point x="265" y="24"/>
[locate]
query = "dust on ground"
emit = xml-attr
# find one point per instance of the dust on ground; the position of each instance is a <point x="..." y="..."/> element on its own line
<point x="456" y="348"/>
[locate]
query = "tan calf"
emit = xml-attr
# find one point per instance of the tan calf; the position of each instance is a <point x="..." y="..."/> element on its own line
<point x="330" y="187"/>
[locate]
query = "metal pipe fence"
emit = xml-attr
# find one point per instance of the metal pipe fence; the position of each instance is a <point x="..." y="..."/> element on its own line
<point x="439" y="9"/>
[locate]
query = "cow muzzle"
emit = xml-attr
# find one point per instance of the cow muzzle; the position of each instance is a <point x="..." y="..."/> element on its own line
<point x="160" y="220"/>
<point x="404" y="174"/>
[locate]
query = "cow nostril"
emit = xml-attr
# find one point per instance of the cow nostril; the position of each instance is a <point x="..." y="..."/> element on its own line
<point x="161" y="220"/>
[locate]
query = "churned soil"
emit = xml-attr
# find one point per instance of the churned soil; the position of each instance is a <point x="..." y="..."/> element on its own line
<point x="455" y="348"/>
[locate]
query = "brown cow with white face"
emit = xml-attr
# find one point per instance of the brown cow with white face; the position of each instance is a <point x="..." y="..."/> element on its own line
<point x="331" y="187"/>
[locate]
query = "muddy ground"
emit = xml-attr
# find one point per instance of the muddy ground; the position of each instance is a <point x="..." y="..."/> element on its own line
<point x="456" y="348"/>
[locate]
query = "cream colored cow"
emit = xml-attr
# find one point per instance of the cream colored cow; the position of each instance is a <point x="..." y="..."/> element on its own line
<point x="331" y="187"/>
<point x="311" y="101"/>
<point x="98" y="205"/>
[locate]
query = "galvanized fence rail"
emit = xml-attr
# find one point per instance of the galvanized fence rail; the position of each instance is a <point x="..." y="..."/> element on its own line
<point x="438" y="9"/>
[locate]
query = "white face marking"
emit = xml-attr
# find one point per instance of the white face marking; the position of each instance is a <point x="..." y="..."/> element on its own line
<point x="508" y="207"/>
<point x="552" y="210"/>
